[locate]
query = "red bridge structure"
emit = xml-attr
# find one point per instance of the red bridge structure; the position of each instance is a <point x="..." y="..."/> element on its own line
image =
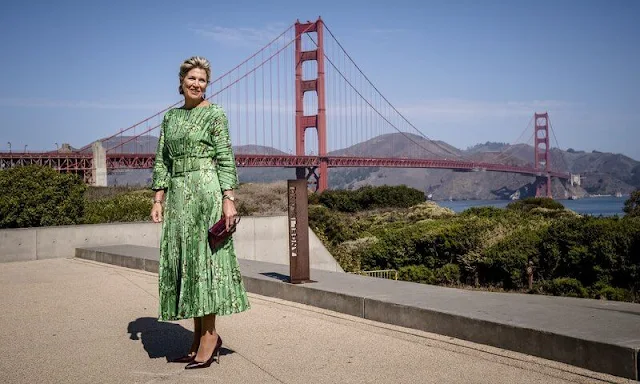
<point x="302" y="102"/>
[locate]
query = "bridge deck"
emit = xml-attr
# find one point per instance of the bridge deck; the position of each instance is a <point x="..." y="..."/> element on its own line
<point x="83" y="161"/>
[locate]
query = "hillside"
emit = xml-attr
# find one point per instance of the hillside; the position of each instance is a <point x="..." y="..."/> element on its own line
<point x="602" y="173"/>
<point x="406" y="144"/>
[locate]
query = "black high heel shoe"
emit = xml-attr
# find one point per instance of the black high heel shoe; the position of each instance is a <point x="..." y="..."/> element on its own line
<point x="216" y="353"/>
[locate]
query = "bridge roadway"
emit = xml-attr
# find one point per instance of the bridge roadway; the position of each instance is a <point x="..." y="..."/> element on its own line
<point x="78" y="321"/>
<point x="83" y="162"/>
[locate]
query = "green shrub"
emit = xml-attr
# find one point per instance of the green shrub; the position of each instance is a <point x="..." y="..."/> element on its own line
<point x="616" y="294"/>
<point x="336" y="227"/>
<point x="339" y="200"/>
<point x="417" y="274"/>
<point x="428" y="210"/>
<point x="349" y="254"/>
<point x="530" y="203"/>
<point x="448" y="274"/>
<point x="632" y="204"/>
<point x="489" y="211"/>
<point x="593" y="249"/>
<point x="128" y="207"/>
<point x="369" y="197"/>
<point x="35" y="196"/>
<point x="563" y="286"/>
<point x="505" y="263"/>
<point x="491" y="247"/>
<point x="429" y="243"/>
<point x="602" y="290"/>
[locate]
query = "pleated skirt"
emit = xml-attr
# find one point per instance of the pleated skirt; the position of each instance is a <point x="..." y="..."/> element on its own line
<point x="193" y="281"/>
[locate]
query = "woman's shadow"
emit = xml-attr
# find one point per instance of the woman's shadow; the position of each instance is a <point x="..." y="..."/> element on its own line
<point x="162" y="339"/>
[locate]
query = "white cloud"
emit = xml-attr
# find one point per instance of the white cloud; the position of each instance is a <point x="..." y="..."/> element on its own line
<point x="246" y="36"/>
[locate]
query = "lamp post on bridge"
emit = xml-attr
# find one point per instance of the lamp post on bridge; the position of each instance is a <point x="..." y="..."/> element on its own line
<point x="25" y="148"/>
<point x="8" y="142"/>
<point x="57" y="147"/>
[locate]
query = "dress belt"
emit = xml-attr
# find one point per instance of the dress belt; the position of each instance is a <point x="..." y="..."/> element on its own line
<point x="182" y="165"/>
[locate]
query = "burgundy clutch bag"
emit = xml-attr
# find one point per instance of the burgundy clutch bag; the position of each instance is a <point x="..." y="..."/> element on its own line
<point x="218" y="232"/>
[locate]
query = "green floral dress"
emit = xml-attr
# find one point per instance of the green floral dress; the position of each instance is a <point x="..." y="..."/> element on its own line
<point x="194" y="164"/>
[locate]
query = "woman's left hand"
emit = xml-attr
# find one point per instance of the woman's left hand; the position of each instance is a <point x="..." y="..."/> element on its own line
<point x="229" y="211"/>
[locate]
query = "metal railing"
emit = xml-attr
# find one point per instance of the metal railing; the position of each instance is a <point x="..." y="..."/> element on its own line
<point x="391" y="274"/>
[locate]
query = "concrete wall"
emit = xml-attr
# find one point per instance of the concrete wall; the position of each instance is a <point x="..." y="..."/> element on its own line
<point x="266" y="239"/>
<point x="257" y="238"/>
<point x="61" y="241"/>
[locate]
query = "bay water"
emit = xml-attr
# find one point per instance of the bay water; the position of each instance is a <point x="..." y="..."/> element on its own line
<point x="595" y="206"/>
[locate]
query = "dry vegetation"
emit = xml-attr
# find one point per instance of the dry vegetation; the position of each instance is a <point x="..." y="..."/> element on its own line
<point x="262" y="199"/>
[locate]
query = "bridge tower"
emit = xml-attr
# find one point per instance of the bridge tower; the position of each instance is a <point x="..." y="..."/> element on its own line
<point x="541" y="153"/>
<point x="319" y="120"/>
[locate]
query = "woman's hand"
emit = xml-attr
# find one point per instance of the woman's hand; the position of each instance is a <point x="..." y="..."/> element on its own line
<point x="229" y="211"/>
<point x="156" y="212"/>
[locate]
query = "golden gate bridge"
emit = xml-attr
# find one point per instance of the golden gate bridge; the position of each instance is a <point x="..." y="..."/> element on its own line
<point x="302" y="102"/>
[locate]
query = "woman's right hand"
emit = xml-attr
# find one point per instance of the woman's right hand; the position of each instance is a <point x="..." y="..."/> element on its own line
<point x="156" y="213"/>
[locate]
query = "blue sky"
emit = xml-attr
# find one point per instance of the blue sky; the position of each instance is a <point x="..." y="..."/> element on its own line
<point x="462" y="71"/>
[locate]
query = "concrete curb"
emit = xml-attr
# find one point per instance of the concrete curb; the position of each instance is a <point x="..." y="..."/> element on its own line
<point x="592" y="355"/>
<point x="119" y="259"/>
<point x="267" y="279"/>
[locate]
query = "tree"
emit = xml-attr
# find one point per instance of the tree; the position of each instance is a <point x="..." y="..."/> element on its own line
<point x="632" y="205"/>
<point x="34" y="196"/>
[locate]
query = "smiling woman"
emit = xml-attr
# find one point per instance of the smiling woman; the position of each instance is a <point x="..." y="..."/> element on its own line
<point x="194" y="77"/>
<point x="194" y="176"/>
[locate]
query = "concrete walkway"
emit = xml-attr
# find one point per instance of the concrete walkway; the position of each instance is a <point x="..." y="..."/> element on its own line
<point x="78" y="321"/>
<point x="598" y="335"/>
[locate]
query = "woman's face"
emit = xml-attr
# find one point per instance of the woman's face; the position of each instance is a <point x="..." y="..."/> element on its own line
<point x="194" y="83"/>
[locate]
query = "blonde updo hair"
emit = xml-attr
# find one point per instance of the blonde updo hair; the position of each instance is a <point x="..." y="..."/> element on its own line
<point x="191" y="63"/>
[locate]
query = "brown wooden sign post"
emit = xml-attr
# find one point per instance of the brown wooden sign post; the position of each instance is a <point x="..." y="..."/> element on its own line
<point x="298" y="223"/>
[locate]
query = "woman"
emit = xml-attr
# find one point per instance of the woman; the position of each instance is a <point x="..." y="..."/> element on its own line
<point x="194" y="176"/>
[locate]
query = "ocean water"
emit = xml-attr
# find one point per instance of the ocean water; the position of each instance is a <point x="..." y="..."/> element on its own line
<point x="595" y="206"/>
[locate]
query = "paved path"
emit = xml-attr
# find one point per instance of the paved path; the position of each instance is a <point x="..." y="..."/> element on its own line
<point x="76" y="321"/>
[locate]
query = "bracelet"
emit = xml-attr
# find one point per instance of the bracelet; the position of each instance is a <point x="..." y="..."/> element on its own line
<point x="157" y="201"/>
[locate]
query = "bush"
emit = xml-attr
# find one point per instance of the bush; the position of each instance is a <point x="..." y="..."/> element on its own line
<point x="592" y="249"/>
<point x="35" y="196"/>
<point x="632" y="204"/>
<point x="128" y="207"/>
<point x="340" y="200"/>
<point x="417" y="274"/>
<point x="505" y="263"/>
<point x="369" y="197"/>
<point x="428" y="210"/>
<point x="448" y="274"/>
<point x="563" y="286"/>
<point x="530" y="203"/>
<point x="602" y="290"/>
<point x="336" y="227"/>
<point x="349" y="254"/>
<point x="491" y="247"/>
<point x="489" y="212"/>
<point x="432" y="244"/>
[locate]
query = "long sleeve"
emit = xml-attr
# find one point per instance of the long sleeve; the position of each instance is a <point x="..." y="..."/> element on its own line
<point x="161" y="176"/>
<point x="226" y="162"/>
